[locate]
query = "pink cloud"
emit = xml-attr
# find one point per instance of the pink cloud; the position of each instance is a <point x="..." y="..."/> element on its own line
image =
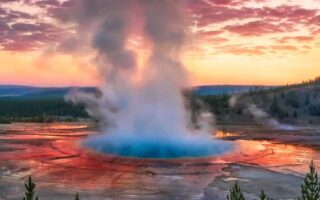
<point x="250" y="21"/>
<point x="243" y="50"/>
<point x="209" y="33"/>
<point x="211" y="14"/>
<point x="47" y="3"/>
<point x="258" y="50"/>
<point x="283" y="48"/>
<point x="18" y="35"/>
<point x="297" y="39"/>
<point x="221" y="2"/>
<point x="257" y="28"/>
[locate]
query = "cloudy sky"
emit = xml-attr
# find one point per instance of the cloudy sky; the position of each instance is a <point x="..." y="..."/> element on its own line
<point x="232" y="42"/>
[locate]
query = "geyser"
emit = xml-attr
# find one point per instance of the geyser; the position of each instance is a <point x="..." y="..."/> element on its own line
<point x="148" y="118"/>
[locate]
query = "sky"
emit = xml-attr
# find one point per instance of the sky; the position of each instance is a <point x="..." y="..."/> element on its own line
<point x="260" y="42"/>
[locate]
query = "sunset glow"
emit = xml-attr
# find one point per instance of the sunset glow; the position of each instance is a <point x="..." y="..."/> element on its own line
<point x="233" y="42"/>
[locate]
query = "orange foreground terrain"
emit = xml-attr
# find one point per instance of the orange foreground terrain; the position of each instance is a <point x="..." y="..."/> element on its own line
<point x="52" y="154"/>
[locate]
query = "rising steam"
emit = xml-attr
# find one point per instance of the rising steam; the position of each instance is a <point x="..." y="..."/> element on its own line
<point x="148" y="119"/>
<point x="260" y="115"/>
<point x="264" y="118"/>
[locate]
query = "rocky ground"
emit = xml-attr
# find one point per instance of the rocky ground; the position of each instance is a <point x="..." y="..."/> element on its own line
<point x="52" y="154"/>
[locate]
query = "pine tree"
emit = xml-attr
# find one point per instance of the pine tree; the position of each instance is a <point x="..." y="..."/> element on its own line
<point x="77" y="196"/>
<point x="263" y="196"/>
<point x="30" y="186"/>
<point x="310" y="189"/>
<point x="235" y="193"/>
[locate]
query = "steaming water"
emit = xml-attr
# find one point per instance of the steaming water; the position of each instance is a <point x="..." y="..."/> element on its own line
<point x="147" y="121"/>
<point x="158" y="147"/>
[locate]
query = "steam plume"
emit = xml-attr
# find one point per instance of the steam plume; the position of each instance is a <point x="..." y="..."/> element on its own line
<point x="265" y="119"/>
<point x="147" y="119"/>
<point x="260" y="115"/>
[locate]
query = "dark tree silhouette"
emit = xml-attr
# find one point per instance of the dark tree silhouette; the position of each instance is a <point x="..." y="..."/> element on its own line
<point x="29" y="194"/>
<point x="310" y="189"/>
<point x="235" y="193"/>
<point x="263" y="196"/>
<point x="77" y="196"/>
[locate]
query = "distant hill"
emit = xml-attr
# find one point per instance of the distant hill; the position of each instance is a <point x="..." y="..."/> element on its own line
<point x="298" y="103"/>
<point x="60" y="92"/>
<point x="30" y="92"/>
<point x="36" y="104"/>
<point x="290" y="104"/>
<point x="16" y="90"/>
<point x="225" y="89"/>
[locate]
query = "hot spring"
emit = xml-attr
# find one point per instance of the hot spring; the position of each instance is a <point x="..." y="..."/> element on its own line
<point x="153" y="147"/>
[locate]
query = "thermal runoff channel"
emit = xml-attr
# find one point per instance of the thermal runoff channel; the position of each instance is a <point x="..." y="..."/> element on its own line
<point x="145" y="118"/>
